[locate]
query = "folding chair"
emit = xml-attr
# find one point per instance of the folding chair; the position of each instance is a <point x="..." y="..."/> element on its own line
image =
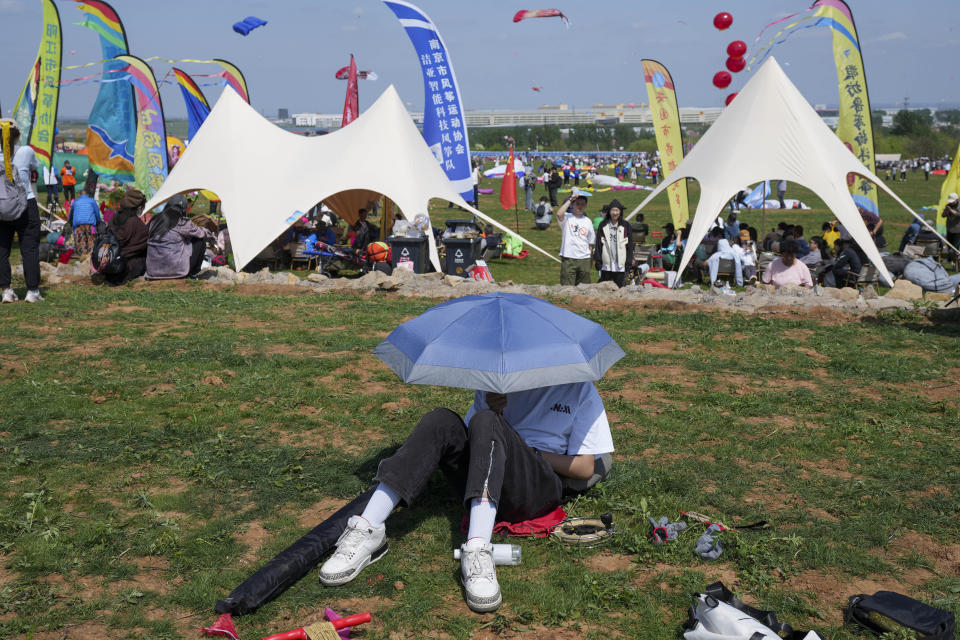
<point x="300" y="256"/>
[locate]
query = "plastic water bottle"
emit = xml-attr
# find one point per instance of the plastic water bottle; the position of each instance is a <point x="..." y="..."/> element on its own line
<point x="503" y="554"/>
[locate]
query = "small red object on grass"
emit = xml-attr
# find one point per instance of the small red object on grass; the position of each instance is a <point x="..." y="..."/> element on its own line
<point x="222" y="627"/>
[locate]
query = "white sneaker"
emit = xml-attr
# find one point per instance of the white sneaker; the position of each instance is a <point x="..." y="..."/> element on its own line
<point x="34" y="296"/>
<point x="358" y="546"/>
<point x="9" y="295"/>
<point x="479" y="576"/>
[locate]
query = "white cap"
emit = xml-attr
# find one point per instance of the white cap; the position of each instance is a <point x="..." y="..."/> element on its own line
<point x="953" y="197"/>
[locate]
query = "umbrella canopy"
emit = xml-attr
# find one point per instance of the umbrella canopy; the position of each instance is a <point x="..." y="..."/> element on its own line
<point x="500" y="342"/>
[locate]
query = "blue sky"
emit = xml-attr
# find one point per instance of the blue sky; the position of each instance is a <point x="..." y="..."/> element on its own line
<point x="910" y="49"/>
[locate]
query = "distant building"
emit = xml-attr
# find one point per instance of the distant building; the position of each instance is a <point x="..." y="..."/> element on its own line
<point x="283" y="114"/>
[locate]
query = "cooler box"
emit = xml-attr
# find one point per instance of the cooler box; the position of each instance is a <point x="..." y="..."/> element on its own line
<point x="408" y="251"/>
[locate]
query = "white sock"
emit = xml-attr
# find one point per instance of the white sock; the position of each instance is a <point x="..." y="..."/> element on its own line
<point x="483" y="515"/>
<point x="382" y="502"/>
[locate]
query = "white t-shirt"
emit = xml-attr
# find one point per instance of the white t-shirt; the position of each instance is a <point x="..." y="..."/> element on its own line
<point x="578" y="235"/>
<point x="25" y="160"/>
<point x="566" y="419"/>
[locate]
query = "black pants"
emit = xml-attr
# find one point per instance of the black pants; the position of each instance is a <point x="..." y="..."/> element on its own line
<point x="27" y="228"/>
<point x="135" y="267"/>
<point x="617" y="277"/>
<point x="197" y="250"/>
<point x="553" y="196"/>
<point x="69" y="191"/>
<point x="489" y="456"/>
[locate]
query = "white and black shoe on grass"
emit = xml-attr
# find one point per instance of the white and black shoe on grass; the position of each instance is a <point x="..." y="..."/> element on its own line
<point x="360" y="545"/>
<point x="9" y="296"/>
<point x="34" y="296"/>
<point x="479" y="576"/>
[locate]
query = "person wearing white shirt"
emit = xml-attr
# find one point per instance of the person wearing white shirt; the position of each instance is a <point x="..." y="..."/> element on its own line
<point x="26" y="227"/>
<point x="52" y="183"/>
<point x="506" y="456"/>
<point x="577" y="237"/>
<point x="724" y="250"/>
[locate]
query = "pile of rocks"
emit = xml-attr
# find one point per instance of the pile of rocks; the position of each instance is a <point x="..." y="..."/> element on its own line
<point x="903" y="295"/>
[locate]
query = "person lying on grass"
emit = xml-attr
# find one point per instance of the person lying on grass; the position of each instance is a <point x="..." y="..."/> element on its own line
<point x="506" y="456"/>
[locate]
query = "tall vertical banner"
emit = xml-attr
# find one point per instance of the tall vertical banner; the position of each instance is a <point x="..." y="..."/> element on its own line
<point x="444" y="124"/>
<point x="234" y="77"/>
<point x="854" y="128"/>
<point x="36" y="110"/>
<point x="508" y="187"/>
<point x="150" y="157"/>
<point x="666" y="125"/>
<point x="112" y="125"/>
<point x="351" y="105"/>
<point x="197" y="106"/>
<point x="951" y="184"/>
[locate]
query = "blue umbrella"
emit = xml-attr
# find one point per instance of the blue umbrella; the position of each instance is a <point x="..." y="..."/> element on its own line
<point x="500" y="342"/>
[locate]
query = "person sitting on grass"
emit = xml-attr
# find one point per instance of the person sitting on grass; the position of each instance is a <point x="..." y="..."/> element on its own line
<point x="131" y="235"/>
<point x="543" y="214"/>
<point x="175" y="245"/>
<point x="507" y="465"/>
<point x="787" y="269"/>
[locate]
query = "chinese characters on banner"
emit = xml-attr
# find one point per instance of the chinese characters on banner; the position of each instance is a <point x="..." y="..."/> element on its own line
<point x="444" y="125"/>
<point x="854" y="128"/>
<point x="36" y="110"/>
<point x="150" y="156"/>
<point x="666" y="124"/>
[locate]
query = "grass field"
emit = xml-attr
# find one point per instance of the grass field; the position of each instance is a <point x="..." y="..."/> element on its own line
<point x="160" y="442"/>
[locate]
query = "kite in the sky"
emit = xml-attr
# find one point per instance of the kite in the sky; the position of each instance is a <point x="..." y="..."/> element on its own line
<point x="536" y="88"/>
<point x="523" y="14"/>
<point x="248" y="24"/>
<point x="344" y="74"/>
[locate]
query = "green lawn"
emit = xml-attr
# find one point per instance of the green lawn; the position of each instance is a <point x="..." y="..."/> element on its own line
<point x="160" y="442"/>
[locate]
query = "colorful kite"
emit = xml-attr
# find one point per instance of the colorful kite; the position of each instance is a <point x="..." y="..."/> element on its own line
<point x="150" y="155"/>
<point x="344" y="74"/>
<point x="537" y="89"/>
<point x="248" y="24"/>
<point x="523" y="14"/>
<point x="112" y="124"/>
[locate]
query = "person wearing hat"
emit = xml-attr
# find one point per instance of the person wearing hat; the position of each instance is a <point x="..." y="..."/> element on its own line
<point x="577" y="236"/>
<point x="131" y="235"/>
<point x="951" y="213"/>
<point x="175" y="245"/>
<point x="613" y="251"/>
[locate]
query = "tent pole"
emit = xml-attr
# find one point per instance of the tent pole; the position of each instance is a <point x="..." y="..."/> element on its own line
<point x="763" y="210"/>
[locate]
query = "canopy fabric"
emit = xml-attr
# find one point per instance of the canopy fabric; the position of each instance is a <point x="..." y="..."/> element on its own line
<point x="267" y="177"/>
<point x="771" y="132"/>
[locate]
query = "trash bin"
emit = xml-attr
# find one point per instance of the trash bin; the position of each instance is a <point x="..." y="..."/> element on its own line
<point x="462" y="253"/>
<point x="405" y="250"/>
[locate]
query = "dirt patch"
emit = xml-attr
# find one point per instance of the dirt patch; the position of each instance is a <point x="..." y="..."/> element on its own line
<point x="270" y="290"/>
<point x="821" y="514"/>
<point x="213" y="381"/>
<point x="158" y="389"/>
<point x="832" y="589"/>
<point x="6" y="576"/>
<point x="152" y="576"/>
<point x="329" y="436"/>
<point x="85" y="350"/>
<point x="939" y="390"/>
<point x="398" y="405"/>
<point x="252" y="538"/>
<point x="831" y="467"/>
<point x="170" y="487"/>
<point x="608" y="562"/>
<point x="319" y="511"/>
<point x="813" y="354"/>
<point x="82" y="631"/>
<point x="661" y="347"/>
<point x="118" y="308"/>
<point x="944" y="558"/>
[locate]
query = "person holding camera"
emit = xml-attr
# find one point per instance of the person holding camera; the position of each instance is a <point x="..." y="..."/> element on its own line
<point x="613" y="251"/>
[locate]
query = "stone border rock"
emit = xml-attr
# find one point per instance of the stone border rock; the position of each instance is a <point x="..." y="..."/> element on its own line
<point x="903" y="295"/>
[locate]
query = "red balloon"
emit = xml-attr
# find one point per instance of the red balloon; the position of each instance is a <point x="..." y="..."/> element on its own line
<point x="736" y="64"/>
<point x="730" y="98"/>
<point x="736" y="49"/>
<point x="722" y="20"/>
<point x="722" y="79"/>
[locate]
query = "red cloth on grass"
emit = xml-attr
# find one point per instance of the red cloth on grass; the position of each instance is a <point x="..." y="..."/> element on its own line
<point x="537" y="528"/>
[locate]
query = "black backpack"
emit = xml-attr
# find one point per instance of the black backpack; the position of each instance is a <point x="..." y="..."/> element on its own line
<point x="541" y="211"/>
<point x="886" y="611"/>
<point x="106" y="257"/>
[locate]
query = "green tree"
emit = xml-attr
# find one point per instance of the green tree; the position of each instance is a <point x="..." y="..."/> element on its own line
<point x="912" y="123"/>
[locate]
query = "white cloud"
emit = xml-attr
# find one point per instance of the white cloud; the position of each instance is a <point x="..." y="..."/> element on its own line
<point x="887" y="37"/>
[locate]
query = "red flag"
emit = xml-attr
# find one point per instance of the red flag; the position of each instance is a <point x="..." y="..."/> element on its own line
<point x="351" y="106"/>
<point x="508" y="189"/>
